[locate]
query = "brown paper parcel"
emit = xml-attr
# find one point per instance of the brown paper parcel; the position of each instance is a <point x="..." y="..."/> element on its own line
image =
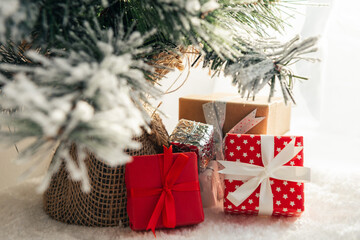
<point x="277" y="121"/>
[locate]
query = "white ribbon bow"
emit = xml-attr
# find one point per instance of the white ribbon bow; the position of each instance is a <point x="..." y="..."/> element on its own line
<point x="257" y="175"/>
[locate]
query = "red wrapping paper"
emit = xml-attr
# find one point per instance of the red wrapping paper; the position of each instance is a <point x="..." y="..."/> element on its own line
<point x="288" y="197"/>
<point x="145" y="172"/>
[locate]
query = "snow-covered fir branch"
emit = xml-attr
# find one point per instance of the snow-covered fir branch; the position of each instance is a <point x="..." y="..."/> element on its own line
<point x="92" y="98"/>
<point x="186" y="22"/>
<point x="267" y="62"/>
<point x="17" y="19"/>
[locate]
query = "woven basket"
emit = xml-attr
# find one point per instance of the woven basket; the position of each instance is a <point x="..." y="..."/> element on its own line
<point x="105" y="205"/>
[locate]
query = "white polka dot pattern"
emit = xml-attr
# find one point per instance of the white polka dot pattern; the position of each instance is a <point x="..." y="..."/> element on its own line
<point x="288" y="195"/>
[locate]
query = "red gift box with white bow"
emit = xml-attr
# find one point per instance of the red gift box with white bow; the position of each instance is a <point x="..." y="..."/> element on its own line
<point x="264" y="175"/>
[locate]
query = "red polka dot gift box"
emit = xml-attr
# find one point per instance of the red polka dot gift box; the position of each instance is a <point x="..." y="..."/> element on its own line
<point x="264" y="175"/>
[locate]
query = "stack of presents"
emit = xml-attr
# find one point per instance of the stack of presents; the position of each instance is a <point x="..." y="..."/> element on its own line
<point x="226" y="153"/>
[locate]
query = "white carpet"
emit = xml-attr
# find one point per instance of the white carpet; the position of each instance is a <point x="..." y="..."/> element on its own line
<point x="332" y="210"/>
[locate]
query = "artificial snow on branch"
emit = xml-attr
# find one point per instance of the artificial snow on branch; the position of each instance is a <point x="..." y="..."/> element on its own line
<point x="17" y="19"/>
<point x="182" y="22"/>
<point x="91" y="98"/>
<point x="267" y="62"/>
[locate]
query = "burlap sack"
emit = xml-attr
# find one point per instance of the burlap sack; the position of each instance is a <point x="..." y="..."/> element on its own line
<point x="105" y="205"/>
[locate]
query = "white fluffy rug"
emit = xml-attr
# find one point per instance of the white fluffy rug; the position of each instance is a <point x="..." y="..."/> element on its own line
<point x="332" y="202"/>
<point x="332" y="212"/>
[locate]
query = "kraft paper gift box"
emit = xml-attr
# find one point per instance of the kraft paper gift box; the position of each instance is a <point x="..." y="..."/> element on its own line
<point x="276" y="113"/>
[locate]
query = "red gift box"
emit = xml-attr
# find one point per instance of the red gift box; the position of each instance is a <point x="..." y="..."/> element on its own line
<point x="282" y="196"/>
<point x="163" y="191"/>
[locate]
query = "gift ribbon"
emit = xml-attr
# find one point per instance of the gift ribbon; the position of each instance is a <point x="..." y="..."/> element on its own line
<point x="170" y="172"/>
<point x="257" y="175"/>
<point x="215" y="112"/>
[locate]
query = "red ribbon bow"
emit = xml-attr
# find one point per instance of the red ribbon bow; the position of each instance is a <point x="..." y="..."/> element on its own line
<point x="170" y="171"/>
